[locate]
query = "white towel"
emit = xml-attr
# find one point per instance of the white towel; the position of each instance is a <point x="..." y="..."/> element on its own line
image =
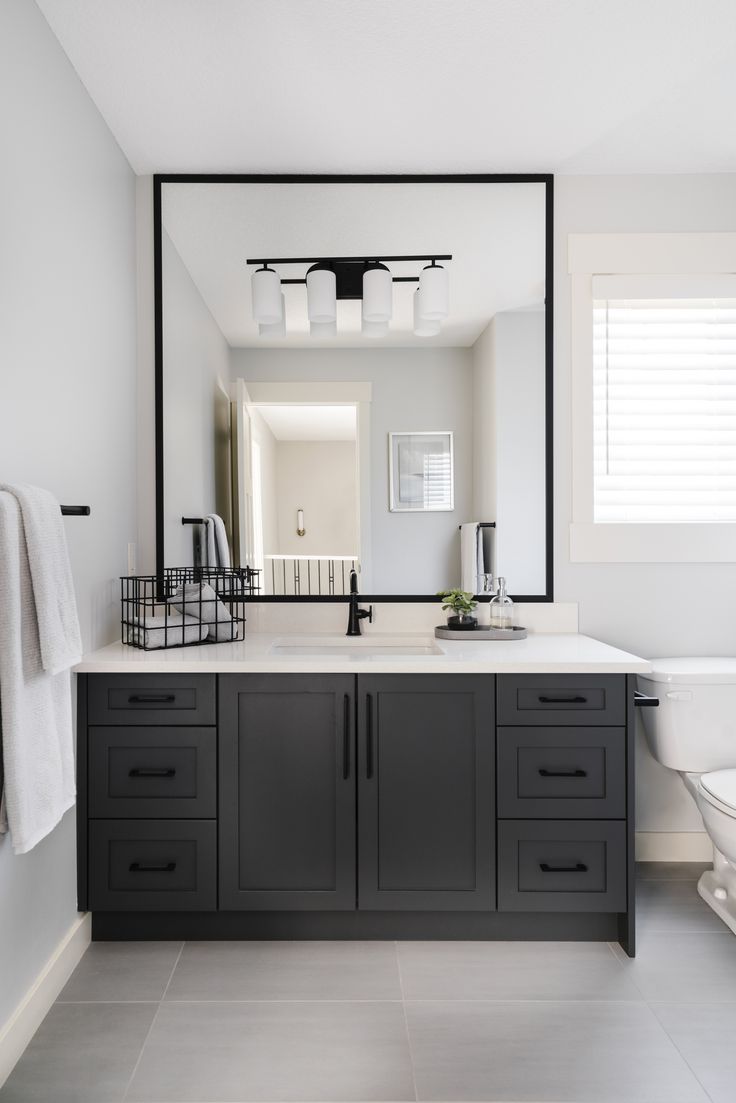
<point x="472" y="567"/>
<point x="218" y="549"/>
<point x="169" y="630"/>
<point x="35" y="703"/>
<point x="199" y="600"/>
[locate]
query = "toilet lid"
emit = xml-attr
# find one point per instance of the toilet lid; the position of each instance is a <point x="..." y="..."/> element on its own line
<point x="721" y="784"/>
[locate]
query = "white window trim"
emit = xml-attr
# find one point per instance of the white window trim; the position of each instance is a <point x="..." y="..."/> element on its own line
<point x="592" y="255"/>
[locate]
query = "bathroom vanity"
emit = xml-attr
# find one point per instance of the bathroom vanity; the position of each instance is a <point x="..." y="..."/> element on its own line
<point x="477" y="791"/>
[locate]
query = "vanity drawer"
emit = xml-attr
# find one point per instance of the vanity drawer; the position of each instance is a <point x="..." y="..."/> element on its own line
<point x="561" y="699"/>
<point x="561" y="773"/>
<point x="152" y="699"/>
<point x="153" y="865"/>
<point x="561" y="865"/>
<point x="153" y="773"/>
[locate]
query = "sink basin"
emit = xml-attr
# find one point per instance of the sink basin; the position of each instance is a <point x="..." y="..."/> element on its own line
<point x="355" y="646"/>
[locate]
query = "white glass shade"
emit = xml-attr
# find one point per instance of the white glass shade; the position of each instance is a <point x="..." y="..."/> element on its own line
<point x="275" y="329"/>
<point x="266" y="291"/>
<point x="321" y="295"/>
<point x="377" y="294"/>
<point x="434" y="286"/>
<point x="424" y="327"/>
<point x="373" y="329"/>
<point x="322" y="329"/>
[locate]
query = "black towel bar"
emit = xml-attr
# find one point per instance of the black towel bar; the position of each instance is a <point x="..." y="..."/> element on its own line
<point x="193" y="520"/>
<point x="75" y="511"/>
<point x="484" y="525"/>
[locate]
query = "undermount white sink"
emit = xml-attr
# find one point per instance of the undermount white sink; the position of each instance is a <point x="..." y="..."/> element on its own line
<point x="355" y="646"/>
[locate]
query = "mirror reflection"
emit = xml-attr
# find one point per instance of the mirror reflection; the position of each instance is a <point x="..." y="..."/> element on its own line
<point x="354" y="378"/>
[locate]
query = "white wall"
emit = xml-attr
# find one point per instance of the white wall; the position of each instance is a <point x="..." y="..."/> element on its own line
<point x="638" y="606"/>
<point x="196" y="384"/>
<point x="509" y="446"/>
<point x="320" y="478"/>
<point x="412" y="389"/>
<point x="67" y="417"/>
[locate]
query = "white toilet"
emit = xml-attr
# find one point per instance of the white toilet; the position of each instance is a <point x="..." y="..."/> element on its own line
<point x="694" y="732"/>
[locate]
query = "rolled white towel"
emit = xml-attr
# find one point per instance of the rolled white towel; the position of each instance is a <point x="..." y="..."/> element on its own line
<point x="165" y="631"/>
<point x="199" y="600"/>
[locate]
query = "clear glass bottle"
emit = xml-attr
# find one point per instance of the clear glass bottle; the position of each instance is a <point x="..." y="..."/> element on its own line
<point x="502" y="607"/>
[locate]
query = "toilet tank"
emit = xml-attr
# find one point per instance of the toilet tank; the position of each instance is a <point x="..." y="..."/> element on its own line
<point x="694" y="728"/>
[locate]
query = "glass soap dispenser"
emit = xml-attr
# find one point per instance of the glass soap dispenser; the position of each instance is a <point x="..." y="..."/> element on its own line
<point x="502" y="607"/>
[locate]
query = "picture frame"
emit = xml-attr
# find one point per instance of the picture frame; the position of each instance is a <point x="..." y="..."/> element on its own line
<point x="421" y="472"/>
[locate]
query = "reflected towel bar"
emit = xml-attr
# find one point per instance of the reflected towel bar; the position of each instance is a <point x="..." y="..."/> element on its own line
<point x="75" y="511"/>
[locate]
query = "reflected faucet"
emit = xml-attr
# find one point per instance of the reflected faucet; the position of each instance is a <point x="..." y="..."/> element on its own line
<point x="355" y="613"/>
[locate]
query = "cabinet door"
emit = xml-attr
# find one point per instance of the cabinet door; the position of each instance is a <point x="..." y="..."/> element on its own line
<point x="287" y="792"/>
<point x="426" y="792"/>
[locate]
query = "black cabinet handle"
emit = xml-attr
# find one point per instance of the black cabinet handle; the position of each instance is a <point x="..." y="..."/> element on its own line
<point x="369" y="736"/>
<point x="579" y="867"/>
<point x="143" y="867"/>
<point x="152" y="771"/>
<point x="151" y="698"/>
<point x="577" y="700"/>
<point x="563" y="773"/>
<point x="642" y="701"/>
<point x="346" y="738"/>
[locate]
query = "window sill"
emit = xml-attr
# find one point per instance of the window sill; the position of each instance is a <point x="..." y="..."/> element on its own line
<point x="658" y="543"/>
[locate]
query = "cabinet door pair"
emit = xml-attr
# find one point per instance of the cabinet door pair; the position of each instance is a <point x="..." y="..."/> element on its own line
<point x="333" y="798"/>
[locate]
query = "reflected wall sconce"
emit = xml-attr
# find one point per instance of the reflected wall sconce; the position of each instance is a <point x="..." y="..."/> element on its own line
<point x="367" y="279"/>
<point x="300" y="529"/>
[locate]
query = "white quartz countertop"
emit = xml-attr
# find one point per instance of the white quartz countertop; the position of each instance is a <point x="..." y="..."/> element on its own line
<point x="418" y="653"/>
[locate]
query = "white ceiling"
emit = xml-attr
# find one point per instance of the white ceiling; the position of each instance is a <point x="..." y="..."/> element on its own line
<point x="567" y="86"/>
<point x="310" y="422"/>
<point x="495" y="233"/>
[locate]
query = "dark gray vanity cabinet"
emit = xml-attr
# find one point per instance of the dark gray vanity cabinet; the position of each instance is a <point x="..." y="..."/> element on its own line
<point x="426" y="792"/>
<point x="357" y="806"/>
<point x="287" y="792"/>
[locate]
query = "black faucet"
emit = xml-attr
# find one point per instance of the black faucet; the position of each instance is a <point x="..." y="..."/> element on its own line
<point x="356" y="614"/>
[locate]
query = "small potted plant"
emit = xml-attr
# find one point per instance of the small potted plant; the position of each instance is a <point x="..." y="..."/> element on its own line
<point x="461" y="605"/>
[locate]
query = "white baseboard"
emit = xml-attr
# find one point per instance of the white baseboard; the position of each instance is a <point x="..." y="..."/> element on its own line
<point x="673" y="846"/>
<point x="17" y="1032"/>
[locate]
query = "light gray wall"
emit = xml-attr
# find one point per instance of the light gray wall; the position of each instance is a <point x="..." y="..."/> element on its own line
<point x="413" y="389"/>
<point x="196" y="382"/>
<point x="634" y="605"/>
<point x="67" y="419"/>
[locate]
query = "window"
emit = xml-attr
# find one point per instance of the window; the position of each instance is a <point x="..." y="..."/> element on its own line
<point x="664" y="409"/>
<point x="653" y="359"/>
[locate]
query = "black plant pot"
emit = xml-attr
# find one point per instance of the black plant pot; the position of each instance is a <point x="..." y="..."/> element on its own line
<point x="462" y="622"/>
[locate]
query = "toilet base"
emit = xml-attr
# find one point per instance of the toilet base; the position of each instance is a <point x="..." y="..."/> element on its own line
<point x="717" y="887"/>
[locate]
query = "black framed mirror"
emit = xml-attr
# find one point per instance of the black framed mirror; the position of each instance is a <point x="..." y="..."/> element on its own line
<point x="355" y="372"/>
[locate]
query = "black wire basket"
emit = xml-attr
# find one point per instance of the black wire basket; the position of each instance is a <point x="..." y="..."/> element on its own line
<point x="186" y="606"/>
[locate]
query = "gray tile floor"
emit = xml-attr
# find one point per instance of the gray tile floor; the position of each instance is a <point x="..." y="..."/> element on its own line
<point x="527" y="1022"/>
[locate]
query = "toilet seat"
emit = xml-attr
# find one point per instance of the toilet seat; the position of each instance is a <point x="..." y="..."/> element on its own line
<point x="719" y="789"/>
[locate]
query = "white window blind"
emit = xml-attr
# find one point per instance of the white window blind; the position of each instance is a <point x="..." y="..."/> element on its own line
<point x="664" y="399"/>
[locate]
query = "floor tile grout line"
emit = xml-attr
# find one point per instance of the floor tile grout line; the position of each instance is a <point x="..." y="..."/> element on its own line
<point x="173" y="970"/>
<point x="406" y="1022"/>
<point x="151" y="1026"/>
<point x="677" y="1049"/>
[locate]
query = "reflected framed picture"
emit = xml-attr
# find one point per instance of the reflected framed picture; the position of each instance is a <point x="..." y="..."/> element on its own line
<point x="421" y="472"/>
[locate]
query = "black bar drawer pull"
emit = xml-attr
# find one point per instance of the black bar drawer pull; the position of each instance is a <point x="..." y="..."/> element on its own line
<point x="642" y="701"/>
<point x="577" y="700"/>
<point x="152" y="771"/>
<point x="563" y="773"/>
<point x="346" y="738"/>
<point x="369" y="737"/>
<point x="151" y="698"/>
<point x="143" y="867"/>
<point x="579" y="867"/>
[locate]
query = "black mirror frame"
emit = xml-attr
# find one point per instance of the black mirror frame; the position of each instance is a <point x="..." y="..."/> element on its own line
<point x="547" y="179"/>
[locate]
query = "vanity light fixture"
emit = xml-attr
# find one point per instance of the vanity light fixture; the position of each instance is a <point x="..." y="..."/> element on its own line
<point x="435" y="292"/>
<point x="368" y="279"/>
<point x="266" y="291"/>
<point x="300" y="529"/>
<point x="274" y="329"/>
<point x="424" y="327"/>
